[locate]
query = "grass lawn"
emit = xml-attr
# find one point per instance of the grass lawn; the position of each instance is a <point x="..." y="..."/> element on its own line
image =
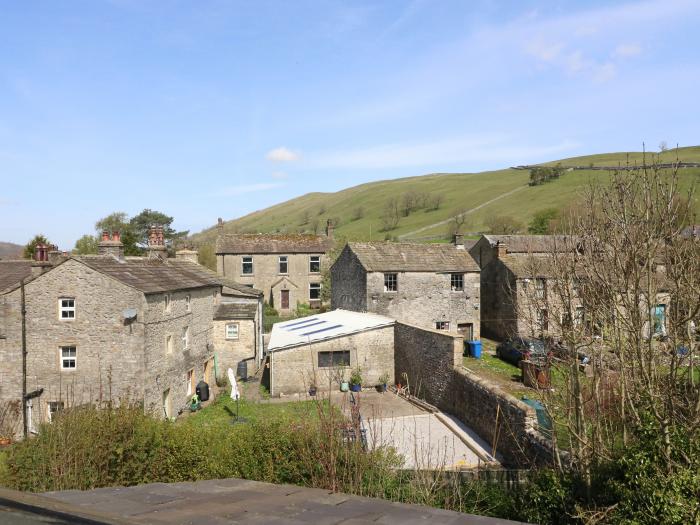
<point x="490" y="367"/>
<point x="222" y="410"/>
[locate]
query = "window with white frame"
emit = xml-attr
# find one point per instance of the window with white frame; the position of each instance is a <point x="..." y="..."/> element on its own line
<point x="54" y="407"/>
<point x="314" y="291"/>
<point x="168" y="300"/>
<point x="186" y="337"/>
<point x="190" y="382"/>
<point x="283" y="264"/>
<point x="68" y="357"/>
<point x="247" y="265"/>
<point x="66" y="307"/>
<point x="391" y="283"/>
<point x="168" y="344"/>
<point x="457" y="282"/>
<point x="188" y="303"/>
<point x="314" y="264"/>
<point x="540" y="288"/>
<point x="442" y="325"/>
<point x="232" y="331"/>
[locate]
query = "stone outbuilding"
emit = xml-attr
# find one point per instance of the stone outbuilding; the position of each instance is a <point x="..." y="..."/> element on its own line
<point x="435" y="286"/>
<point x="285" y="267"/>
<point x="323" y="349"/>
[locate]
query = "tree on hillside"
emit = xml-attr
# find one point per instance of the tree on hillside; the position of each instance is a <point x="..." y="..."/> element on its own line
<point x="436" y="201"/>
<point x="207" y="256"/>
<point x="305" y="218"/>
<point x="30" y="247"/>
<point x="357" y="213"/>
<point x="391" y="214"/>
<point x="86" y="245"/>
<point x="503" y="225"/>
<point x="458" y="221"/>
<point x="541" y="223"/>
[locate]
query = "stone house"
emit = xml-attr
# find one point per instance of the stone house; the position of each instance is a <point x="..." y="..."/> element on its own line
<point x="108" y="327"/>
<point x="285" y="267"/>
<point x="238" y="326"/>
<point x="435" y="286"/>
<point x="323" y="349"/>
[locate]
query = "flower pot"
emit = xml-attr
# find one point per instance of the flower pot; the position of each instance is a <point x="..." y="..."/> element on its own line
<point x="355" y="388"/>
<point x="344" y="386"/>
<point x="4" y="441"/>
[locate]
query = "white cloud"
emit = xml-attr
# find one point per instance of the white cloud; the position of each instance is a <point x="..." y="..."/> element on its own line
<point x="279" y="175"/>
<point x="460" y="150"/>
<point x="627" y="50"/>
<point x="282" y="154"/>
<point x="232" y="191"/>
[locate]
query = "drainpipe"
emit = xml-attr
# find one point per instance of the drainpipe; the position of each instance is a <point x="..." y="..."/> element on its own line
<point x="25" y="423"/>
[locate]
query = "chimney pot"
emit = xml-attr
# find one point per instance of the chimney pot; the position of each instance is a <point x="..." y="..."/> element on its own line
<point x="156" y="242"/>
<point x="458" y="241"/>
<point x="116" y="236"/>
<point x="105" y="235"/>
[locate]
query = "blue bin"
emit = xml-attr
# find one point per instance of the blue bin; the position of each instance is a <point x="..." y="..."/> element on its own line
<point x="543" y="420"/>
<point x="475" y="347"/>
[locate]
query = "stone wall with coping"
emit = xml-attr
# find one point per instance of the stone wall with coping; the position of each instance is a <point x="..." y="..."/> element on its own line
<point x="293" y="369"/>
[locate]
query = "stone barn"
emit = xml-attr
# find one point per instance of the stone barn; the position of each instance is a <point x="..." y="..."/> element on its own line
<point x="323" y="350"/>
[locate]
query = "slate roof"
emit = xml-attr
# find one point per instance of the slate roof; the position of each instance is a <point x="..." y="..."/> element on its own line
<point x="268" y="243"/>
<point x="234" y="288"/>
<point x="231" y="311"/>
<point x="12" y="272"/>
<point x="527" y="266"/>
<point x="412" y="257"/>
<point x="152" y="275"/>
<point x="533" y="243"/>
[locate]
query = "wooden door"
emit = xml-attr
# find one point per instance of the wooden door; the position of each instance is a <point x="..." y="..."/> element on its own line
<point x="284" y="299"/>
<point x="466" y="330"/>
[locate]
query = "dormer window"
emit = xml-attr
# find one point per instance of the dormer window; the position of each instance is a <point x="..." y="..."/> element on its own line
<point x="66" y="306"/>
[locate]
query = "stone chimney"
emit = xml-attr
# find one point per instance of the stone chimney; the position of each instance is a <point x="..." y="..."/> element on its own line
<point x="220" y="224"/>
<point x="156" y="243"/>
<point x="39" y="267"/>
<point x="187" y="255"/>
<point x="458" y="240"/>
<point x="111" y="245"/>
<point x="501" y="250"/>
<point x="55" y="256"/>
<point x="329" y="228"/>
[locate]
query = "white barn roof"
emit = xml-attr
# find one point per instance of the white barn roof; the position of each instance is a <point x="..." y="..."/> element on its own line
<point x="329" y="325"/>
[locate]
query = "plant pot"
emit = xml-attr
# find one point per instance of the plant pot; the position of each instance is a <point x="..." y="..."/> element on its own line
<point x="312" y="391"/>
<point x="5" y="441"/>
<point x="344" y="386"/>
<point x="355" y="388"/>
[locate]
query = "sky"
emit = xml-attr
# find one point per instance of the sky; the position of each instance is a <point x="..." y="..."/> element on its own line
<point x="205" y="109"/>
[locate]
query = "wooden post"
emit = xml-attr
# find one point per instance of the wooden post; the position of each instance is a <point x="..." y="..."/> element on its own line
<point x="25" y="423"/>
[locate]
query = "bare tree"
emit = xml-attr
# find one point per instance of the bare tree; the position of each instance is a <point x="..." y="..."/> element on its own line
<point x="458" y="221"/>
<point x="436" y="201"/>
<point x="391" y="215"/>
<point x="357" y="213"/>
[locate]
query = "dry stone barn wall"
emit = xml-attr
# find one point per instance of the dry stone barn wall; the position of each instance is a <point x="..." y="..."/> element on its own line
<point x="231" y="352"/>
<point x="295" y="368"/>
<point x="349" y="290"/>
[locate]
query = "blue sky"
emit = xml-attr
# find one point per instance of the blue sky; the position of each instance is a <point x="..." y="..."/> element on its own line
<point x="206" y="109"/>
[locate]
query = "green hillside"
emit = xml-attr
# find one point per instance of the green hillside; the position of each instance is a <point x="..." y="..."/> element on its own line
<point x="358" y="210"/>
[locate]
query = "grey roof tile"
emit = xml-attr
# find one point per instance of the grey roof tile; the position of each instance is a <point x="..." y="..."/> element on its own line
<point x="412" y="257"/>
<point x="268" y="243"/>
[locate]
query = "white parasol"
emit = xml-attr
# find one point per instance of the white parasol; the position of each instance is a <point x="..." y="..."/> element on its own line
<point x="235" y="394"/>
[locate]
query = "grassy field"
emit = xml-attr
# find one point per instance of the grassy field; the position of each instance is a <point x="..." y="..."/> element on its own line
<point x="460" y="191"/>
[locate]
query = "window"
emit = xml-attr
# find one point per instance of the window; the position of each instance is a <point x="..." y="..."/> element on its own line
<point x="68" y="358"/>
<point x="659" y="316"/>
<point x="188" y="303"/>
<point x="232" y="331"/>
<point x="283" y="264"/>
<point x="391" y="282"/>
<point x="442" y="325"/>
<point x="315" y="264"/>
<point x="67" y="308"/>
<point x="186" y="337"/>
<point x="53" y="408"/>
<point x="314" y="291"/>
<point x="168" y="300"/>
<point x="457" y="282"/>
<point x="331" y="359"/>
<point x="168" y="344"/>
<point x="190" y="382"/>
<point x="247" y="266"/>
<point x="540" y="289"/>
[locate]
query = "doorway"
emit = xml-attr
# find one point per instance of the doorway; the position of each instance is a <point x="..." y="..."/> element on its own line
<point x="466" y="330"/>
<point x="284" y="299"/>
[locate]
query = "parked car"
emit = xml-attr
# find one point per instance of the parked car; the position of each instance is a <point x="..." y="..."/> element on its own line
<point x="562" y="351"/>
<point x="516" y="349"/>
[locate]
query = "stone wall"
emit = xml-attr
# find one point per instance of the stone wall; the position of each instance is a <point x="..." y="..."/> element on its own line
<point x="425" y="298"/>
<point x="433" y="362"/>
<point x="231" y="352"/>
<point x="349" y="283"/>
<point x="266" y="274"/>
<point x="498" y="302"/>
<point x="293" y="369"/>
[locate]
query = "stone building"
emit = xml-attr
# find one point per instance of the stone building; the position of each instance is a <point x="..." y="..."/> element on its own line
<point x="287" y="268"/>
<point x="323" y="349"/>
<point x="435" y="286"/>
<point x="109" y="327"/>
<point x="238" y="326"/>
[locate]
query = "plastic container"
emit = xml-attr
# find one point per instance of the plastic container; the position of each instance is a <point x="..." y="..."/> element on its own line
<point x="242" y="370"/>
<point x="202" y="391"/>
<point x="475" y="349"/>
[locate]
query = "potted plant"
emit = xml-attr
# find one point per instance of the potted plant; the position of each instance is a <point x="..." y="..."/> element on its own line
<point x="383" y="380"/>
<point x="356" y="379"/>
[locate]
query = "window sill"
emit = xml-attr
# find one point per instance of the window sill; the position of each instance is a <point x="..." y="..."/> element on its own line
<point x="232" y="339"/>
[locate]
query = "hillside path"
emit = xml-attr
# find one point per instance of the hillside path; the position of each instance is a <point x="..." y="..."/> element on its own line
<point x="471" y="210"/>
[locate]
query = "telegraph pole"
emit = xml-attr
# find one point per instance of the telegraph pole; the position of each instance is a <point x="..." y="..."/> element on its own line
<point x="25" y="423"/>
